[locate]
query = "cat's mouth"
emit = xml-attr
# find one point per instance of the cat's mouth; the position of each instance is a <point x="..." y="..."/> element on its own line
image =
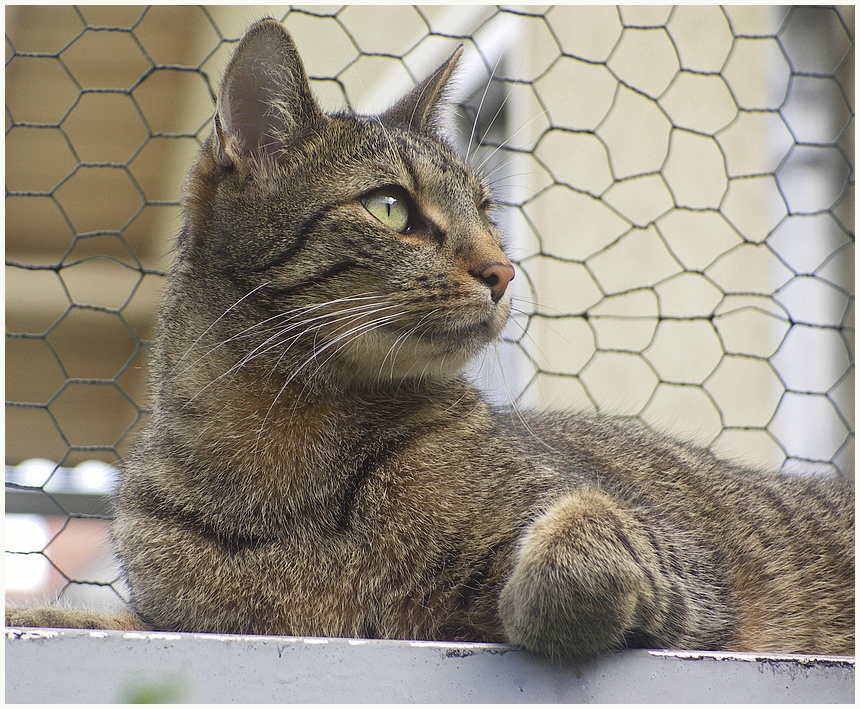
<point x="482" y="332"/>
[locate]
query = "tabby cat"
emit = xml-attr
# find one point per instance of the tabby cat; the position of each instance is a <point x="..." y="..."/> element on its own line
<point x="316" y="464"/>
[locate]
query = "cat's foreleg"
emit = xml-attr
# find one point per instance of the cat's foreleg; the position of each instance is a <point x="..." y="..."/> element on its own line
<point x="60" y="617"/>
<point x="588" y="578"/>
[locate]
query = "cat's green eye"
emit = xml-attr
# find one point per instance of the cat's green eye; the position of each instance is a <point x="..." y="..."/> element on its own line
<point x="389" y="207"/>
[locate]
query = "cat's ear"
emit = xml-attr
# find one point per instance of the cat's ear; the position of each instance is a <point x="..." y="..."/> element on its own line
<point x="265" y="100"/>
<point x="422" y="107"/>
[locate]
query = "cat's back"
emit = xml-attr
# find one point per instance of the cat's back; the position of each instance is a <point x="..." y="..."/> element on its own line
<point x="646" y="467"/>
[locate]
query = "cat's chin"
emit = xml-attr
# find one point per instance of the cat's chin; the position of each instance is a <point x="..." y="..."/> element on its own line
<point x="439" y="355"/>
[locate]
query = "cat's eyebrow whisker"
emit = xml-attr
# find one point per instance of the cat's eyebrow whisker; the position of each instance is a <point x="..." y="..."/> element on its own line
<point x="498" y="187"/>
<point x="501" y="106"/>
<point x="525" y="125"/>
<point x="470" y="150"/>
<point x="513" y="135"/>
<point x="489" y="127"/>
<point x="374" y="118"/>
<point x="503" y="164"/>
<point x="500" y="181"/>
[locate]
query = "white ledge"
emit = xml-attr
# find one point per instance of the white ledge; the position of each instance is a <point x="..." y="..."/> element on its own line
<point x="112" y="666"/>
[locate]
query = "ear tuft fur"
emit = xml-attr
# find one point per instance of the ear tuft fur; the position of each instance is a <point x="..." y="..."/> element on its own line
<point x="265" y="101"/>
<point x="422" y="108"/>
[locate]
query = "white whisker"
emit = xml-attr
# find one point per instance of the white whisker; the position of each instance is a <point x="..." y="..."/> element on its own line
<point x="300" y="328"/>
<point x="339" y="342"/>
<point x="469" y="151"/>
<point x="218" y="319"/>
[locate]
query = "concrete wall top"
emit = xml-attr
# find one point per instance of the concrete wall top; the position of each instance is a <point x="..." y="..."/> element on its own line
<point x="110" y="666"/>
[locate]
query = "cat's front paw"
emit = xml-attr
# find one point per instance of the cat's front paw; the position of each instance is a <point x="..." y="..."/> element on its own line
<point x="580" y="584"/>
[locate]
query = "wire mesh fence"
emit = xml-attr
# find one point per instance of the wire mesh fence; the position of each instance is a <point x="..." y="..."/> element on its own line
<point x="678" y="193"/>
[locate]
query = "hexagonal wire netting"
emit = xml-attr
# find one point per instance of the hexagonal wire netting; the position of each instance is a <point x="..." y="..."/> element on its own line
<point x="678" y="192"/>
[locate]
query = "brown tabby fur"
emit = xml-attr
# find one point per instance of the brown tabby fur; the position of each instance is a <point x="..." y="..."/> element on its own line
<point x="315" y="463"/>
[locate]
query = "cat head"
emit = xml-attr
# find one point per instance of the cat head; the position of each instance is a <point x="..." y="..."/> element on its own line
<point x="358" y="248"/>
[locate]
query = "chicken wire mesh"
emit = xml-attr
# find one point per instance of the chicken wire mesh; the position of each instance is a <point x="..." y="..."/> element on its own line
<point x="678" y="193"/>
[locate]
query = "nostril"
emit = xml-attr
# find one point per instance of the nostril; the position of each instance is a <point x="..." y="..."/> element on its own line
<point x="497" y="276"/>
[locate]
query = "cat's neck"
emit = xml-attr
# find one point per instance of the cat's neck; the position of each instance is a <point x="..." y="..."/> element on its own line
<point x="280" y="449"/>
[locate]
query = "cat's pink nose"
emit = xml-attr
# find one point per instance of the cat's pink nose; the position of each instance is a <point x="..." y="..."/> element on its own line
<point x="497" y="276"/>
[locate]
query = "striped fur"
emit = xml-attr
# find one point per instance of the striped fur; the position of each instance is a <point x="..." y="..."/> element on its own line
<point x="315" y="464"/>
